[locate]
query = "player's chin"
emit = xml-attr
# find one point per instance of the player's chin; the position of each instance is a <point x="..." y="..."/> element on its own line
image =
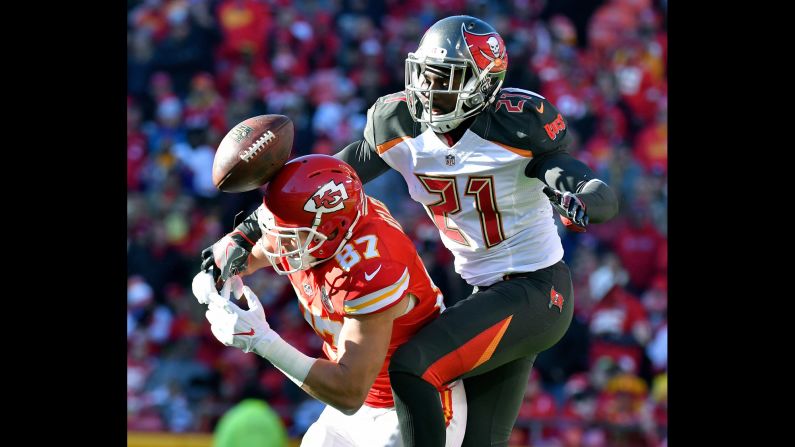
<point x="441" y="110"/>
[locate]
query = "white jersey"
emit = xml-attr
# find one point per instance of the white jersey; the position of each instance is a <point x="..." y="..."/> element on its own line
<point x="492" y="217"/>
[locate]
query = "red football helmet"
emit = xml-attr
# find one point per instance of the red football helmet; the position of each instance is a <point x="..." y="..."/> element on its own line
<point x="309" y="211"/>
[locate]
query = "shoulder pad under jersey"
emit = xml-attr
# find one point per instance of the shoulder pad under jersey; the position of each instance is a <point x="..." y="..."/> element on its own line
<point x="389" y="122"/>
<point x="375" y="285"/>
<point x="523" y="120"/>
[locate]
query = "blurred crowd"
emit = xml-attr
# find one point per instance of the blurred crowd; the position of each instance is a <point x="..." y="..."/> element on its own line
<point x="198" y="67"/>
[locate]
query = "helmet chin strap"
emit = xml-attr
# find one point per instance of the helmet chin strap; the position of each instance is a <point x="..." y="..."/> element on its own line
<point x="445" y="126"/>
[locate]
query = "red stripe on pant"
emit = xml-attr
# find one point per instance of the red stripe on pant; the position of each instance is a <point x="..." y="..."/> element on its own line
<point x="467" y="357"/>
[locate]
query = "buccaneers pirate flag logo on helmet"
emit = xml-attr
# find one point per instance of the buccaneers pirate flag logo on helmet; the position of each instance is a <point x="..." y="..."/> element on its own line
<point x="486" y="48"/>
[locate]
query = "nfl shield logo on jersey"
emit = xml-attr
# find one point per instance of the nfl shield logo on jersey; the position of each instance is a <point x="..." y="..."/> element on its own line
<point x="449" y="159"/>
<point x="307" y="289"/>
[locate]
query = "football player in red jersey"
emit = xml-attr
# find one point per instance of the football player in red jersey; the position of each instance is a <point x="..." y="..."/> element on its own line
<point x="360" y="285"/>
<point x="485" y="161"/>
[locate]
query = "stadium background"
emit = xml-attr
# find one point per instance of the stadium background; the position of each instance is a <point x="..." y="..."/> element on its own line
<point x="197" y="67"/>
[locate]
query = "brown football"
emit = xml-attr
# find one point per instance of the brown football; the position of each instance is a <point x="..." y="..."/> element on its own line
<point x="252" y="152"/>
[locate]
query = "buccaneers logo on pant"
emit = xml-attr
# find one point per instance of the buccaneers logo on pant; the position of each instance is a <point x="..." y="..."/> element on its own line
<point x="555" y="299"/>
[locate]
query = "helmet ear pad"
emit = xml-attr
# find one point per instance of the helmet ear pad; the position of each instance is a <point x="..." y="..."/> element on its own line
<point x="333" y="228"/>
<point x="477" y="97"/>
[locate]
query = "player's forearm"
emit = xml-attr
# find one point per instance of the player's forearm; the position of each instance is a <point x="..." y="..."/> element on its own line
<point x="600" y="200"/>
<point x="256" y="261"/>
<point x="565" y="173"/>
<point x="290" y="361"/>
<point x="333" y="383"/>
<point x="250" y="227"/>
<point x="329" y="382"/>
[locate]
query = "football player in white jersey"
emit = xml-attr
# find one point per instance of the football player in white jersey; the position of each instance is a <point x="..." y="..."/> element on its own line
<point x="485" y="161"/>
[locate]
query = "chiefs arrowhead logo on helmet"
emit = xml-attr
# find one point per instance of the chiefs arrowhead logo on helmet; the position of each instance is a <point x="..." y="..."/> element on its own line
<point x="486" y="48"/>
<point x="327" y="199"/>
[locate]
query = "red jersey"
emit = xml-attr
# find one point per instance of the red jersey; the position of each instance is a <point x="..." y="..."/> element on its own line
<point x="376" y="268"/>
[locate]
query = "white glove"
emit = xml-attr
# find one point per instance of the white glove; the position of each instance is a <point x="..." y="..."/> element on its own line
<point x="233" y="326"/>
<point x="202" y="286"/>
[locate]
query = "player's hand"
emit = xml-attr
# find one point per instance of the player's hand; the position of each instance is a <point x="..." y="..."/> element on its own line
<point x="229" y="256"/>
<point x="233" y="326"/>
<point x="203" y="285"/>
<point x="572" y="210"/>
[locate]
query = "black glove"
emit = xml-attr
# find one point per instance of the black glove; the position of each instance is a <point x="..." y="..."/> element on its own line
<point x="233" y="250"/>
<point x="208" y="264"/>
<point x="572" y="210"/>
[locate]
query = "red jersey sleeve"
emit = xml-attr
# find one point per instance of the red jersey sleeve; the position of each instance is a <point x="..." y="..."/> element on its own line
<point x="377" y="284"/>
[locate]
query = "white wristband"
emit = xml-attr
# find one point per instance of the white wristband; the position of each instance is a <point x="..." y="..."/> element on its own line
<point x="290" y="361"/>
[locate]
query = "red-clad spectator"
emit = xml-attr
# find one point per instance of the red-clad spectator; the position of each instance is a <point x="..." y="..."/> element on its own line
<point x="579" y="412"/>
<point x="579" y="406"/>
<point x="371" y="72"/>
<point x="146" y="419"/>
<point x="607" y="26"/>
<point x="244" y="25"/>
<point x="140" y="365"/>
<point x="150" y="16"/>
<point x="662" y="258"/>
<point x="640" y="89"/>
<point x="584" y="264"/>
<point x="538" y="407"/>
<point x="621" y="408"/>
<point x="325" y="43"/>
<point x="188" y="321"/>
<point x="272" y="380"/>
<point x="136" y="147"/>
<point x="611" y="133"/>
<point x="519" y="436"/>
<point x="292" y="37"/>
<point x="204" y="106"/>
<point x="324" y="144"/>
<point x="207" y="352"/>
<point x="651" y="145"/>
<point x="619" y="325"/>
<point x="637" y="245"/>
<point x="160" y="86"/>
<point x="159" y="89"/>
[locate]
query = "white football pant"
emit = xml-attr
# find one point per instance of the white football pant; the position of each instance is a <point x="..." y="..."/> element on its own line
<point x="379" y="427"/>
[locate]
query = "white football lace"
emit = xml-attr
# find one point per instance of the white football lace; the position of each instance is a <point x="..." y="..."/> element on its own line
<point x="254" y="148"/>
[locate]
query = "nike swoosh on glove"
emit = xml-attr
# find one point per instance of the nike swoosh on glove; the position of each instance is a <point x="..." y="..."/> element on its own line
<point x="229" y="255"/>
